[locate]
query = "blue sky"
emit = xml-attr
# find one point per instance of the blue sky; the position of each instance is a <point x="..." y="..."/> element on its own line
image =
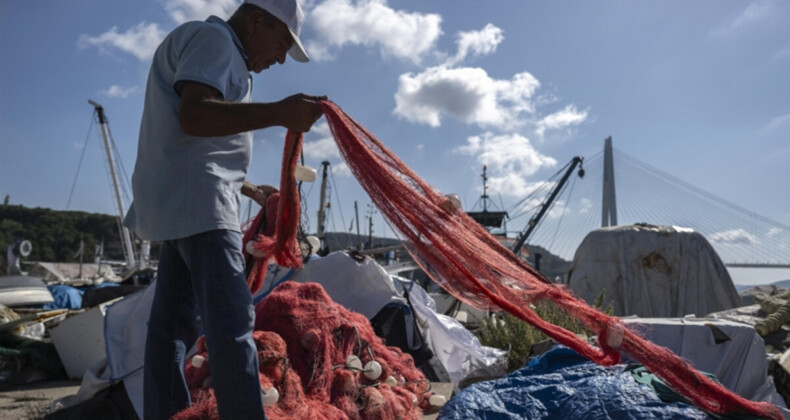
<point x="698" y="89"/>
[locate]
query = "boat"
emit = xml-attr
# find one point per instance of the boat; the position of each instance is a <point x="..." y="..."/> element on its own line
<point x="23" y="291"/>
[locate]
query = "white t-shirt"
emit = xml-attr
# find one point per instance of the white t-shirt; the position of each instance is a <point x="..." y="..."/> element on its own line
<point x="184" y="185"/>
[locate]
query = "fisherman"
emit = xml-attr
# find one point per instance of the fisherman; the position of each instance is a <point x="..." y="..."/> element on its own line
<point x="193" y="154"/>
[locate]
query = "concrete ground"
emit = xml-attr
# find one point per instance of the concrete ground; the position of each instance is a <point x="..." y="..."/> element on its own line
<point x="30" y="402"/>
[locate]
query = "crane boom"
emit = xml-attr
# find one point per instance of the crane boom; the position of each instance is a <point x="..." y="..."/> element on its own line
<point x="533" y="223"/>
<point x="128" y="249"/>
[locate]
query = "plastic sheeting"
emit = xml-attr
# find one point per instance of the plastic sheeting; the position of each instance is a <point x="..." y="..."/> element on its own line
<point x="731" y="351"/>
<point x="125" y="329"/>
<point x="561" y="384"/>
<point x="652" y="271"/>
<point x="360" y="285"/>
<point x="457" y="349"/>
<point x="65" y="297"/>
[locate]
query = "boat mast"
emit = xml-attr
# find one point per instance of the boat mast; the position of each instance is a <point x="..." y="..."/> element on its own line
<point x="126" y="238"/>
<point x="322" y="205"/>
<point x="485" y="189"/>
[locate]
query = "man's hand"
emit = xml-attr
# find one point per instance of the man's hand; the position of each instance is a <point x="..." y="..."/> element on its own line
<point x="258" y="193"/>
<point x="203" y="112"/>
<point x="301" y="111"/>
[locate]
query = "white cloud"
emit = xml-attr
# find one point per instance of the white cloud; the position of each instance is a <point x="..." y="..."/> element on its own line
<point x="186" y="10"/>
<point x="753" y="14"/>
<point x="783" y="53"/>
<point x="777" y="122"/>
<point x="775" y="231"/>
<point x="143" y="39"/>
<point x="323" y="148"/>
<point x="565" y="118"/>
<point x="511" y="185"/>
<point x="466" y="93"/>
<point x="116" y="91"/>
<point x="341" y="169"/>
<point x="420" y="146"/>
<point x="734" y="237"/>
<point x="510" y="159"/>
<point x="140" y="41"/>
<point x="372" y="23"/>
<point x="585" y="205"/>
<point x="482" y="42"/>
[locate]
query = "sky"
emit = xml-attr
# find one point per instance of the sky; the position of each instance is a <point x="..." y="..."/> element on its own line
<point x="700" y="90"/>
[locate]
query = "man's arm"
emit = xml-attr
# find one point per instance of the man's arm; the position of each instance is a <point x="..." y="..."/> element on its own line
<point x="203" y="113"/>
<point x="259" y="193"/>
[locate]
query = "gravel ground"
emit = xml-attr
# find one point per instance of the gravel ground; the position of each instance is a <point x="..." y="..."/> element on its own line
<point x="30" y="402"/>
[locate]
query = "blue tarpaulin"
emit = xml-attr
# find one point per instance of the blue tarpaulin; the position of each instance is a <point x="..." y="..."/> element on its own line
<point x="66" y="297"/>
<point x="561" y="384"/>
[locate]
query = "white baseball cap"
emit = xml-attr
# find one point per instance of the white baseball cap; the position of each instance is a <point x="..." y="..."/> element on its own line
<point x="289" y="12"/>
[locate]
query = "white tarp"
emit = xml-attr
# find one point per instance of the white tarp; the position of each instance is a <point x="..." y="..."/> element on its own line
<point x="125" y="329"/>
<point x="652" y="271"/>
<point x="457" y="349"/>
<point x="68" y="273"/>
<point x="360" y="285"/>
<point x="731" y="351"/>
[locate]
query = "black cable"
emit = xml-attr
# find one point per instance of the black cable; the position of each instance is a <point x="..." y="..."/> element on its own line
<point x="79" y="165"/>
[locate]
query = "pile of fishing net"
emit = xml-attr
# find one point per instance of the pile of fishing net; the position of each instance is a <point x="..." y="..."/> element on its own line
<point x="317" y="360"/>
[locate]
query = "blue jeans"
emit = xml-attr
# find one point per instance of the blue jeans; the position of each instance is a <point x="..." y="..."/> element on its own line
<point x="202" y="275"/>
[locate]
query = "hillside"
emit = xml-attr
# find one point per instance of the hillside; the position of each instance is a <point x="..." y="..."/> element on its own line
<point x="56" y="235"/>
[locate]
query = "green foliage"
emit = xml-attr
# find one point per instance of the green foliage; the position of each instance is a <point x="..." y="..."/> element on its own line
<point x="598" y="304"/>
<point x="504" y="331"/>
<point x="56" y="235"/>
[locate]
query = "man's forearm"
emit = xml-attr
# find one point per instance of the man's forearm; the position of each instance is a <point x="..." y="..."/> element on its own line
<point x="215" y="118"/>
<point x="248" y="189"/>
<point x="204" y="113"/>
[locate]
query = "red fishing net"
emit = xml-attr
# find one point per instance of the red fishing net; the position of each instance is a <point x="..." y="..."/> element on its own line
<point x="473" y="266"/>
<point x="276" y="242"/>
<point x="304" y="343"/>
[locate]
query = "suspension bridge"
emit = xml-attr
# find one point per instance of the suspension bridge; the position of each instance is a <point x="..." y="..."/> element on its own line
<point x="633" y="192"/>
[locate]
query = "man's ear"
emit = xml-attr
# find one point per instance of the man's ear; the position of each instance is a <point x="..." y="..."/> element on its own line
<point x="253" y="19"/>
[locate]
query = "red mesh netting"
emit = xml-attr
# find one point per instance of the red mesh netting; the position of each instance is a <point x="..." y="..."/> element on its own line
<point x="304" y="340"/>
<point x="277" y="241"/>
<point x="468" y="262"/>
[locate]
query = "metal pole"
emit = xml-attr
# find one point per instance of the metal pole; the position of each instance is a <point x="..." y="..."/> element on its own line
<point x="370" y="231"/>
<point x="125" y="236"/>
<point x="321" y="212"/>
<point x="371" y="210"/>
<point x="485" y="189"/>
<point x="82" y="253"/>
<point x="359" y="238"/>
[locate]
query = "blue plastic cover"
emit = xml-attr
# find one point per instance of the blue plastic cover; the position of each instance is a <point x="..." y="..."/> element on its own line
<point x="66" y="297"/>
<point x="561" y="384"/>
